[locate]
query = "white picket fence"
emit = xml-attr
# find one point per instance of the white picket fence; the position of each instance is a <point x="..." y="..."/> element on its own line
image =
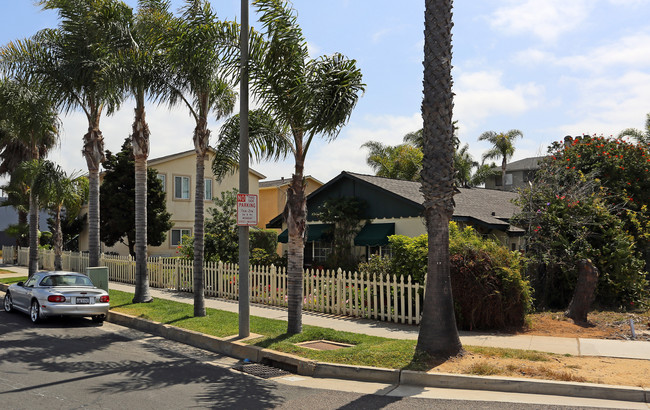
<point x="379" y="297"/>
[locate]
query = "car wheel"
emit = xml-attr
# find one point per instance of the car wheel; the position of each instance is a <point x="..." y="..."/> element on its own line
<point x="98" y="318"/>
<point x="8" y="303"/>
<point x="35" y="312"/>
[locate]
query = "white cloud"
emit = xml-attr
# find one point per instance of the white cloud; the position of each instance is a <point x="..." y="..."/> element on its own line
<point x="482" y="94"/>
<point x="629" y="51"/>
<point x="609" y="104"/>
<point x="545" y="19"/>
<point x="533" y="57"/>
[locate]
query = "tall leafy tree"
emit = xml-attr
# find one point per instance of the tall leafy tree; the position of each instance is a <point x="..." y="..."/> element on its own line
<point x="30" y="127"/>
<point x="503" y="146"/>
<point x="71" y="61"/>
<point x="306" y="97"/>
<point x="142" y="71"/>
<point x="641" y="136"/>
<point x="438" y="334"/>
<point x="197" y="52"/>
<point x="57" y="190"/>
<point x="119" y="202"/>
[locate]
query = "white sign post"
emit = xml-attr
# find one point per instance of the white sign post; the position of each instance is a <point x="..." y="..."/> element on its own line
<point x="246" y="209"/>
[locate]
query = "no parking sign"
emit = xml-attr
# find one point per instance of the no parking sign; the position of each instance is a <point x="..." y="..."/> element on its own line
<point x="246" y="209"/>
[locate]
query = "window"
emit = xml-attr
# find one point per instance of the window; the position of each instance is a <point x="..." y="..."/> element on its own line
<point x="208" y="189"/>
<point x="177" y="236"/>
<point x="508" y="179"/>
<point x="182" y="187"/>
<point x="163" y="181"/>
<point x="382" y="250"/>
<point x="321" y="251"/>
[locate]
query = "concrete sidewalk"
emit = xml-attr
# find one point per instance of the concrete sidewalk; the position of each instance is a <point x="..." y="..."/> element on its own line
<point x="561" y="345"/>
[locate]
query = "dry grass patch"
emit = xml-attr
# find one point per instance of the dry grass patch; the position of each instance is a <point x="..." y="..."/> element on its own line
<point x="625" y="372"/>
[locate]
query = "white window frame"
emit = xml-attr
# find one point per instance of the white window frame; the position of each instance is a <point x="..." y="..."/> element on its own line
<point x="178" y="195"/>
<point x="163" y="181"/>
<point x="207" y="183"/>
<point x="182" y="232"/>
<point x="324" y="250"/>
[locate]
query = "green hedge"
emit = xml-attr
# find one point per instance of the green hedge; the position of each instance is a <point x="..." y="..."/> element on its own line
<point x="488" y="287"/>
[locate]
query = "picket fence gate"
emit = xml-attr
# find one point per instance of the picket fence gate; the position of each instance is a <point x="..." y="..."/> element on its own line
<point x="372" y="296"/>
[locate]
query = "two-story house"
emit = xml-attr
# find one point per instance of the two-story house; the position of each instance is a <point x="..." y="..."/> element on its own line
<point x="177" y="173"/>
<point x="518" y="174"/>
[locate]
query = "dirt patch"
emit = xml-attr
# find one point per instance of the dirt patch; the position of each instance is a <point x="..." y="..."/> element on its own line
<point x="625" y="372"/>
<point x="602" y="325"/>
<point x="603" y="370"/>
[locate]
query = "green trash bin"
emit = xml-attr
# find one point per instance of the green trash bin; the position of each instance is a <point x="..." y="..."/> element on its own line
<point x="99" y="276"/>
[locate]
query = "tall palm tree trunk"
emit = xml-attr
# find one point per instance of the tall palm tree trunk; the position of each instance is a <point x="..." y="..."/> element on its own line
<point x="438" y="335"/>
<point x="296" y="223"/>
<point x="503" y="173"/>
<point x="58" y="240"/>
<point x="33" y="233"/>
<point x="94" y="154"/>
<point x="201" y="138"/>
<point x="140" y="140"/>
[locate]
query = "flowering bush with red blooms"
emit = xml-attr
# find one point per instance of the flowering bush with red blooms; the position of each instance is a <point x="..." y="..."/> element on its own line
<point x="581" y="206"/>
<point x="621" y="168"/>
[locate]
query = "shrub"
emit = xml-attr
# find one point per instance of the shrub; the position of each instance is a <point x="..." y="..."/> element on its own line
<point x="409" y="257"/>
<point x="487" y="283"/>
<point x="488" y="287"/>
<point x="265" y="239"/>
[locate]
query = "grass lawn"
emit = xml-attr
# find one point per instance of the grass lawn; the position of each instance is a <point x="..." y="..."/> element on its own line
<point x="9" y="281"/>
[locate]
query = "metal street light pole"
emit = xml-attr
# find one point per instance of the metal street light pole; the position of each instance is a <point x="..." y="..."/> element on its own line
<point x="244" y="291"/>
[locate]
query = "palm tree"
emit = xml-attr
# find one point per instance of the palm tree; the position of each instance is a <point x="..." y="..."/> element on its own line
<point x="470" y="173"/>
<point x="502" y="147"/>
<point x="31" y="127"/>
<point x="414" y="138"/>
<point x="438" y="334"/>
<point x="642" y="137"/>
<point x="18" y="197"/>
<point x="196" y="58"/>
<point x="57" y="190"/>
<point x="142" y="71"/>
<point x="71" y="62"/>
<point x="305" y="97"/>
<point x="402" y="161"/>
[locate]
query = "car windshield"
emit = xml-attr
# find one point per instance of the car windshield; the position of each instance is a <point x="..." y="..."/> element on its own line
<point x="66" y="280"/>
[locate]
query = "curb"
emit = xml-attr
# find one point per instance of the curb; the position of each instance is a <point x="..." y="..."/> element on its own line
<point x="316" y="369"/>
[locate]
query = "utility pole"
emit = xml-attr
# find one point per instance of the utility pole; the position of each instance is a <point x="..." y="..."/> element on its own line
<point x="244" y="291"/>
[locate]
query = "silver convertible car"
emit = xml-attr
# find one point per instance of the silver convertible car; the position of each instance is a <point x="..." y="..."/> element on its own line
<point x="48" y="294"/>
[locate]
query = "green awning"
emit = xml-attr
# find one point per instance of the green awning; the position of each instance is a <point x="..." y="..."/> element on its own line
<point x="375" y="234"/>
<point x="315" y="232"/>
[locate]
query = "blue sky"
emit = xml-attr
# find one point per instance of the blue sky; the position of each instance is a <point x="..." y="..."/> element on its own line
<point x="549" y="68"/>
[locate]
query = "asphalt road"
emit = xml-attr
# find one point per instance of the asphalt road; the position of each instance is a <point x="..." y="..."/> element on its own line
<point x="74" y="363"/>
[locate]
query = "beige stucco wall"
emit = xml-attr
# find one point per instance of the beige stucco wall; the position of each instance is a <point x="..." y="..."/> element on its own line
<point x="273" y="199"/>
<point x="182" y="210"/>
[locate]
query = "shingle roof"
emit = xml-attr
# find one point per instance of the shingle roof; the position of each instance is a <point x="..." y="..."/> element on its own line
<point x="282" y="181"/>
<point x="526" y="164"/>
<point x="492" y="207"/>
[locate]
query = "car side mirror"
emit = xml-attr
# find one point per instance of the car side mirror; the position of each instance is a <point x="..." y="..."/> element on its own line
<point x="20" y="283"/>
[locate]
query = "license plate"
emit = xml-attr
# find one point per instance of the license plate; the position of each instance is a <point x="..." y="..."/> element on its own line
<point x="83" y="301"/>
